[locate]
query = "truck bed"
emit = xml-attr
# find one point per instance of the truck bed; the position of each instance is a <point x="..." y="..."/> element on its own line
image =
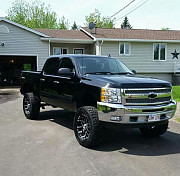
<point x="30" y="78"/>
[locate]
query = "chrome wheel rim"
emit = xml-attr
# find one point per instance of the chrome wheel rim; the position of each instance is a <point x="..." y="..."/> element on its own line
<point x="27" y="105"/>
<point x="83" y="127"/>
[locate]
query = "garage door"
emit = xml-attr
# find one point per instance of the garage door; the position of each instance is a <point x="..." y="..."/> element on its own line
<point x="11" y="67"/>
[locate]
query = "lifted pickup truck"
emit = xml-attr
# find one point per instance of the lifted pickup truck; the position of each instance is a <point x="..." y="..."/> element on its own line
<point x="101" y="91"/>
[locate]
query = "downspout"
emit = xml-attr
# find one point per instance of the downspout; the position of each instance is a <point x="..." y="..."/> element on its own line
<point x="100" y="50"/>
<point x="49" y="48"/>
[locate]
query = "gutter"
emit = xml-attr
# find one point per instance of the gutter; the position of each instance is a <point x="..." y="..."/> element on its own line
<point x="59" y="40"/>
<point x="137" y="40"/>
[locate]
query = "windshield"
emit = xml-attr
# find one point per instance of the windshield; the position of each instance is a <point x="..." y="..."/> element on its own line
<point x="100" y="65"/>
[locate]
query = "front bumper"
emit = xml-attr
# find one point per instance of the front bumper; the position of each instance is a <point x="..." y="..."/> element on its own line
<point x="118" y="113"/>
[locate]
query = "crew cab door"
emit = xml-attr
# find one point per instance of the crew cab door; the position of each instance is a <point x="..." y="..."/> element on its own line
<point x="66" y="85"/>
<point x="48" y="82"/>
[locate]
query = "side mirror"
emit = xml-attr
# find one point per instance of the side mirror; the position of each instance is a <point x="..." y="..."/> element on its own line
<point x="134" y="71"/>
<point x="65" y="72"/>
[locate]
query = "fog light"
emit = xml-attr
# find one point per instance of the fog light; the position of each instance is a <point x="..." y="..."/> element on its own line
<point x="116" y="118"/>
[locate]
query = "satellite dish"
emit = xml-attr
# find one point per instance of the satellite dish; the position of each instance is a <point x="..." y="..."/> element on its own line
<point x="91" y="25"/>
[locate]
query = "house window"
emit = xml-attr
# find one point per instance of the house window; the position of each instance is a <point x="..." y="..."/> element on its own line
<point x="124" y="48"/>
<point x="58" y="51"/>
<point x="159" y="51"/>
<point x="79" y="51"/>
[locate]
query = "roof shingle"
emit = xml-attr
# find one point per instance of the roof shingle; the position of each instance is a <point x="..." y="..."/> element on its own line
<point x="144" y="34"/>
<point x="65" y="34"/>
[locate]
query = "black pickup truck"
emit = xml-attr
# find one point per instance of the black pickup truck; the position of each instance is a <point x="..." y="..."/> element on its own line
<point x="102" y="92"/>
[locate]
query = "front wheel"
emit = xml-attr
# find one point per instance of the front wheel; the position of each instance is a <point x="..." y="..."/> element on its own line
<point x="31" y="106"/>
<point x="154" y="131"/>
<point x="87" y="127"/>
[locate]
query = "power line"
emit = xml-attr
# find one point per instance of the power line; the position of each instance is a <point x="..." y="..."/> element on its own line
<point x="122" y="8"/>
<point x="131" y="11"/>
<point x="135" y="5"/>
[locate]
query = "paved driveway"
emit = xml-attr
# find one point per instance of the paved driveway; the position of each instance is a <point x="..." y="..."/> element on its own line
<point x="47" y="147"/>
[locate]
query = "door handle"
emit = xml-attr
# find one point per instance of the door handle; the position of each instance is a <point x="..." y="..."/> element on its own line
<point x="42" y="79"/>
<point x="56" y="82"/>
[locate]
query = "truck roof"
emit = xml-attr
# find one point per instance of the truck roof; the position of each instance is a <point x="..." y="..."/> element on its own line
<point x="77" y="55"/>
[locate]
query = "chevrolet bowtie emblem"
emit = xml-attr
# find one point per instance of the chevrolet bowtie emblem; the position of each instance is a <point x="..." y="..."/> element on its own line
<point x="152" y="95"/>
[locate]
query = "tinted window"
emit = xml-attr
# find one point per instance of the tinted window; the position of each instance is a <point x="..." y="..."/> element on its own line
<point x="51" y="66"/>
<point x="66" y="63"/>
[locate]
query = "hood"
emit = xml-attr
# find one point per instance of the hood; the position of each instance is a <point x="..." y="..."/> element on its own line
<point x="127" y="81"/>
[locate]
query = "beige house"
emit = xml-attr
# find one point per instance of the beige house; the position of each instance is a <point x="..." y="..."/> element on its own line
<point x="146" y="51"/>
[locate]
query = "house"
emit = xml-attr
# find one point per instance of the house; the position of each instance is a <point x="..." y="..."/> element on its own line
<point x="146" y="51"/>
<point x="24" y="48"/>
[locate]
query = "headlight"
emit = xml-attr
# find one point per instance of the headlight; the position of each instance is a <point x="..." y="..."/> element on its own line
<point x="111" y="95"/>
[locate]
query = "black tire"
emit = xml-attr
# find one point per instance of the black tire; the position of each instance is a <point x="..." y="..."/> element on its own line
<point x="31" y="106"/>
<point x="154" y="131"/>
<point x="87" y="128"/>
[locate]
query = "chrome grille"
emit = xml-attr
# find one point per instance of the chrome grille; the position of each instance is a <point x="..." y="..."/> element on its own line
<point x="147" y="100"/>
<point x="144" y="96"/>
<point x="147" y="91"/>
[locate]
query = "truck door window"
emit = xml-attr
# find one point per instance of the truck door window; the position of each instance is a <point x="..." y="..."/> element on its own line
<point x="51" y="66"/>
<point x="66" y="63"/>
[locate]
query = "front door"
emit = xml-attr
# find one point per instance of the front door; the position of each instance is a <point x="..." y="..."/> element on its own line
<point x="48" y="82"/>
<point x="65" y="86"/>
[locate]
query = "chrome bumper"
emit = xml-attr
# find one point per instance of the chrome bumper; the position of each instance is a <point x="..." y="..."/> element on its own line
<point x="118" y="113"/>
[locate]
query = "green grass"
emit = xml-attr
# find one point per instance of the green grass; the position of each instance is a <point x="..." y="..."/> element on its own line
<point x="178" y="119"/>
<point x="176" y="93"/>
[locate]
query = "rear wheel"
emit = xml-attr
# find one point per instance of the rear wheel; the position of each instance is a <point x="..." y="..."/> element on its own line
<point x="31" y="106"/>
<point x="154" y="131"/>
<point x="87" y="128"/>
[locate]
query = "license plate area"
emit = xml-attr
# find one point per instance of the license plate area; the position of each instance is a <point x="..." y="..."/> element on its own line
<point x="154" y="117"/>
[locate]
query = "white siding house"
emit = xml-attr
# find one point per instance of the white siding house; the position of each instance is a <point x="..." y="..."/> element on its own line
<point x="138" y="49"/>
<point x="23" y="48"/>
<point x="149" y="52"/>
<point x="21" y="41"/>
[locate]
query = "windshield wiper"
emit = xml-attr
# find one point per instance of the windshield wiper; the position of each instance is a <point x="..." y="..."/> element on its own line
<point x="101" y="73"/>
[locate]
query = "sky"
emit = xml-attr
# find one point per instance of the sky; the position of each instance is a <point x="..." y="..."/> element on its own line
<point x="154" y="14"/>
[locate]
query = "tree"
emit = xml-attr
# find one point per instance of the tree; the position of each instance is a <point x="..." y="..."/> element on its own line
<point x="63" y="23"/>
<point x="125" y="24"/>
<point x="165" y="29"/>
<point x="74" y="26"/>
<point x="100" y="21"/>
<point x="33" y="15"/>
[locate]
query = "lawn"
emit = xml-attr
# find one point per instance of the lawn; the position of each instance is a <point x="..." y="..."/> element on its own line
<point x="176" y="93"/>
<point x="178" y="119"/>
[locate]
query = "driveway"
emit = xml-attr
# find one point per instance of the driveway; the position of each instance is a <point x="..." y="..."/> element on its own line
<point x="47" y="147"/>
<point x="8" y="94"/>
